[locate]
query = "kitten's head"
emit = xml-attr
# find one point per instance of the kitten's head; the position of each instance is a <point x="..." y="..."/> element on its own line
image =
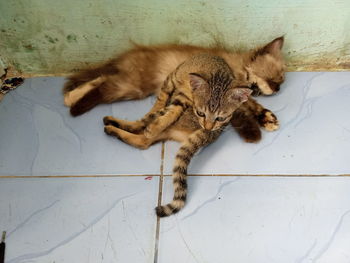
<point x="215" y="99"/>
<point x="266" y="68"/>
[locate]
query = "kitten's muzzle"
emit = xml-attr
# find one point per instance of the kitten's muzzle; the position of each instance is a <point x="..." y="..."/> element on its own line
<point x="209" y="125"/>
<point x="274" y="86"/>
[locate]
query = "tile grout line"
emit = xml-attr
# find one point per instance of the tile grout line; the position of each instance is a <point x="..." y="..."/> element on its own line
<point x="160" y="193"/>
<point x="163" y="175"/>
<point x="78" y="176"/>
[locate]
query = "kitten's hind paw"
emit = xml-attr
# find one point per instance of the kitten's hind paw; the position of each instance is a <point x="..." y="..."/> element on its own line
<point x="109" y="130"/>
<point x="268" y="120"/>
<point x="109" y="120"/>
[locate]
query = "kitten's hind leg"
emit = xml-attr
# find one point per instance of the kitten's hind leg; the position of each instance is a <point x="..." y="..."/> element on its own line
<point x="133" y="126"/>
<point x="137" y="140"/>
<point x="74" y="95"/>
<point x="130" y="126"/>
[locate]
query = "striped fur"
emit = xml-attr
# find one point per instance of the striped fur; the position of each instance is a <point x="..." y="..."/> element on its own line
<point x="183" y="157"/>
<point x="203" y="83"/>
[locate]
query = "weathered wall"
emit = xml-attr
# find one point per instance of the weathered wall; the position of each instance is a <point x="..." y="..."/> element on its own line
<point x="55" y="37"/>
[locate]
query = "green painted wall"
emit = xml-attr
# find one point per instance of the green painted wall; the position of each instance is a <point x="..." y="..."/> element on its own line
<point x="39" y="37"/>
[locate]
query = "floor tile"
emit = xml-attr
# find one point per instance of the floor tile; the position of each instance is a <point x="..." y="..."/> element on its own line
<point x="39" y="137"/>
<point x="314" y="136"/>
<point x="259" y="219"/>
<point x="79" y="219"/>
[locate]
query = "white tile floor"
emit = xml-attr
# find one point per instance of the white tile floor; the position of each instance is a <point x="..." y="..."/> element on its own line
<point x="314" y="137"/>
<point x="36" y="128"/>
<point x="227" y="218"/>
<point x="79" y="219"/>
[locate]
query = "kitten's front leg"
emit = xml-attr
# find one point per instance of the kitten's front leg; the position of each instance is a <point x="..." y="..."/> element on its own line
<point x="133" y="126"/>
<point x="268" y="120"/>
<point x="265" y="117"/>
<point x="164" y="94"/>
<point x="245" y="123"/>
<point x="167" y="117"/>
<point x="171" y="114"/>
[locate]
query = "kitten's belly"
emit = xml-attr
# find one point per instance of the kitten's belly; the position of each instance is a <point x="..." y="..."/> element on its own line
<point x="184" y="127"/>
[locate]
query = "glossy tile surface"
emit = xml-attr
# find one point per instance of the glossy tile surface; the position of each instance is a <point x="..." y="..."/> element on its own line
<point x="259" y="219"/>
<point x="226" y="219"/>
<point x="79" y="219"/>
<point x="314" y="134"/>
<point x="39" y="137"/>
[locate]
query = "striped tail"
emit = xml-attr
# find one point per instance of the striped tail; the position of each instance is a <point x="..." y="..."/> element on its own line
<point x="182" y="160"/>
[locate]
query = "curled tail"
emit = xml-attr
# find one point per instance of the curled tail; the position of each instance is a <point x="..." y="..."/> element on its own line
<point x="182" y="160"/>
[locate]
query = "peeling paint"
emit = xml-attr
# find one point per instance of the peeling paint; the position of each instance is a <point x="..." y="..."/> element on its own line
<point x="51" y="39"/>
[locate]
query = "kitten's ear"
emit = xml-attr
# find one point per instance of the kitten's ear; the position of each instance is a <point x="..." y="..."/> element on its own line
<point x="197" y="81"/>
<point x="240" y="94"/>
<point x="275" y="45"/>
<point x="273" y="48"/>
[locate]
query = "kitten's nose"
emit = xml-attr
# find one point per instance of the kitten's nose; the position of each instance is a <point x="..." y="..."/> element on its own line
<point x="209" y="125"/>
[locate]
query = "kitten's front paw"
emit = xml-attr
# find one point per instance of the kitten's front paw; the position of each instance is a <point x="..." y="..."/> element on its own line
<point x="109" y="120"/>
<point x="268" y="120"/>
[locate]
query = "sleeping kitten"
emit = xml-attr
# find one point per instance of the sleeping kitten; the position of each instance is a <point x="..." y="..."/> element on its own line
<point x="195" y="104"/>
<point x="141" y="71"/>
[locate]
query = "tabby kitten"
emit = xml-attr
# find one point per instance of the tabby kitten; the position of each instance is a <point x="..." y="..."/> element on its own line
<point x="195" y="104"/>
<point x="141" y="71"/>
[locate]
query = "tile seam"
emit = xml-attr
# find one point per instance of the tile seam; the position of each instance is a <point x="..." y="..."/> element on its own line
<point x="160" y="192"/>
<point x="162" y="175"/>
